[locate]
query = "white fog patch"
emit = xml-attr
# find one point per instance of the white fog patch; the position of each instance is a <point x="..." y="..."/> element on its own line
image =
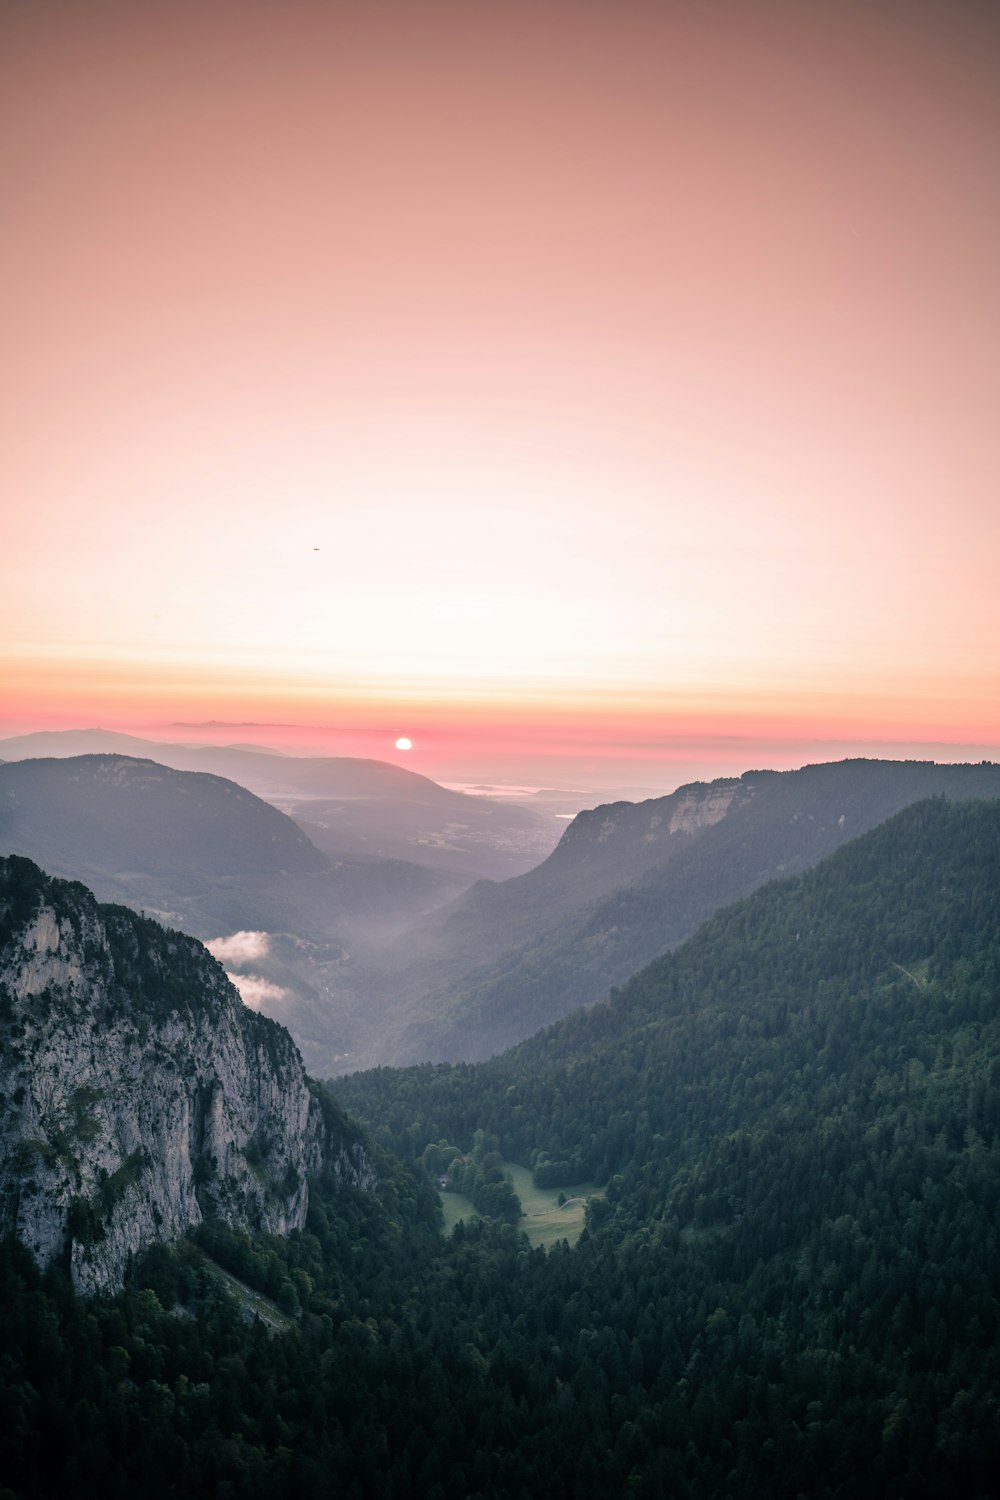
<point x="255" y="991"/>
<point x="239" y="947"/>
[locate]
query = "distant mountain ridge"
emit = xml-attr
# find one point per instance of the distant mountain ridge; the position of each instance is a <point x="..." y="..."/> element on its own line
<point x="349" y="806"/>
<point x="190" y="842"/>
<point x="205" y="855"/>
<point x="903" y="922"/>
<point x="145" y="816"/>
<point x="347" y="776"/>
<point x="627" y="882"/>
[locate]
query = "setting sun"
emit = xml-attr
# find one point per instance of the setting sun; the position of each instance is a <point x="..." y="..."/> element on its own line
<point x="590" y="382"/>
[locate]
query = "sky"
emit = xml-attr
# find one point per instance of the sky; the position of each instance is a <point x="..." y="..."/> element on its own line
<point x="568" y="386"/>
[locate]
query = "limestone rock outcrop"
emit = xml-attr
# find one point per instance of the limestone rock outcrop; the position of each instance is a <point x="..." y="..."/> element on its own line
<point x="138" y="1094"/>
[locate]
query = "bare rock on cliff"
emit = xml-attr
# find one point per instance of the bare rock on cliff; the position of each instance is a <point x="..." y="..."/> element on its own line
<point x="138" y="1094"/>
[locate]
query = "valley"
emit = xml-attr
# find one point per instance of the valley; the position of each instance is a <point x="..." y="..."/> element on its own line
<point x="626" y="883"/>
<point x="500" y="750"/>
<point x="207" y="855"/>
<point x="778" y="1145"/>
<point x="371" y="960"/>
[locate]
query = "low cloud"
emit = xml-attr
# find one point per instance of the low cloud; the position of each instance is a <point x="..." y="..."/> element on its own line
<point x="255" y="992"/>
<point x="239" y="947"/>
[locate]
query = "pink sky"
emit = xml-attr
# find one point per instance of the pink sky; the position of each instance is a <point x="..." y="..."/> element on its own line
<point x="632" y="367"/>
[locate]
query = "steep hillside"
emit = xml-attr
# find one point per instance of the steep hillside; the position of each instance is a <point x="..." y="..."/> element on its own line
<point x="627" y="882"/>
<point x="139" y="1093"/>
<point x="877" y="939"/>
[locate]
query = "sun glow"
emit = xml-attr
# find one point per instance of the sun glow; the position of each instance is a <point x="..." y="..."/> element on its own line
<point x="390" y="452"/>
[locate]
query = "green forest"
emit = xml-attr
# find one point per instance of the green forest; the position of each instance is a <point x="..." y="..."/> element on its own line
<point x="789" y="1287"/>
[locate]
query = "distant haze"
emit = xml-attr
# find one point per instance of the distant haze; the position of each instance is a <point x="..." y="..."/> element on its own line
<point x="574" y="767"/>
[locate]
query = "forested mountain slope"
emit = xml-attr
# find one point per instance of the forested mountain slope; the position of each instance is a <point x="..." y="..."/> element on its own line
<point x="797" y="1115"/>
<point x="774" y="996"/>
<point x="626" y="883"/>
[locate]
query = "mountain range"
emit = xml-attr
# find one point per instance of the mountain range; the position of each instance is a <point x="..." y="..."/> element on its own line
<point x="627" y="882"/>
<point x="789" y="1280"/>
<point x="371" y="960"/>
<point x="348" y="806"/>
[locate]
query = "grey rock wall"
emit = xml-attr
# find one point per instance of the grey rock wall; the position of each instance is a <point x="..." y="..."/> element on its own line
<point x="139" y="1095"/>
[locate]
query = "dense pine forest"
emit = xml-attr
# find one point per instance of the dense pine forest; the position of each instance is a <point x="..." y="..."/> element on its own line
<point x="790" y="1286"/>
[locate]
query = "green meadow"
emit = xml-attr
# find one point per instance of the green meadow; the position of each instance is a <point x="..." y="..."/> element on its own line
<point x="542" y="1220"/>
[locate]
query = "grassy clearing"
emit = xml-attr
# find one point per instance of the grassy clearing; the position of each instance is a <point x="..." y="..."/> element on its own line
<point x="543" y="1221"/>
<point x="456" y="1206"/>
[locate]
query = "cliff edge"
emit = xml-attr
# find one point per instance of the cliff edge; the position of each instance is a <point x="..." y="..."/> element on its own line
<point x="138" y="1095"/>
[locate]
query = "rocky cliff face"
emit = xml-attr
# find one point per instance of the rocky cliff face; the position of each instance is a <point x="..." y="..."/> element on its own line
<point x="636" y="830"/>
<point x="137" y="1093"/>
